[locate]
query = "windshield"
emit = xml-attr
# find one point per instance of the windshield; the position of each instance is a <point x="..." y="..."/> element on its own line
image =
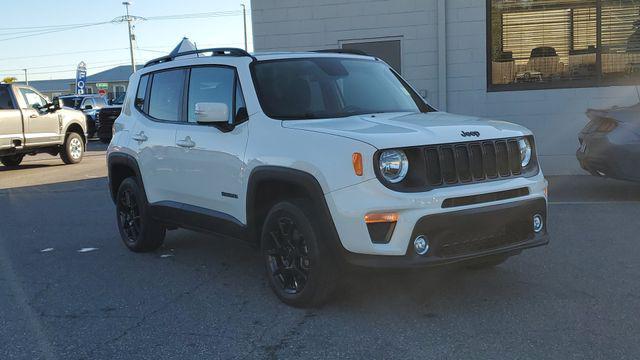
<point x="71" y="102"/>
<point x="317" y="88"/>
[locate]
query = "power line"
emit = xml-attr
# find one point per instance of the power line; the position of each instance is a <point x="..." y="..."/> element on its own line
<point x="43" y="30"/>
<point x="196" y="15"/>
<point x="63" y="53"/>
<point x="43" y="26"/>
<point x="53" y="31"/>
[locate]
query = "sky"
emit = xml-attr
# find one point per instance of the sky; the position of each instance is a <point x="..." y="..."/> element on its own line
<point x="56" y="55"/>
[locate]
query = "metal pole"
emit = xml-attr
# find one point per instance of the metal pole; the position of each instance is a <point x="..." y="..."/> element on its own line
<point x="244" y="17"/>
<point x="133" y="58"/>
<point x="26" y="79"/>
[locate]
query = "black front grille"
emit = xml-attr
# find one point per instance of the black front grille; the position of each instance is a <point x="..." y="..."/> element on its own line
<point x="506" y="235"/>
<point x="448" y="164"/>
<point x="108" y="116"/>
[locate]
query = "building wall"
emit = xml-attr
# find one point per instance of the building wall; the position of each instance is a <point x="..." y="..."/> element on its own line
<point x="323" y="24"/>
<point x="555" y="116"/>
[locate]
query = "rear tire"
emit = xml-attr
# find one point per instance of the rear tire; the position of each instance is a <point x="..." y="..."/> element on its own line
<point x="138" y="230"/>
<point x="486" y="262"/>
<point x="299" y="266"/>
<point x="12" y="160"/>
<point x="73" y="149"/>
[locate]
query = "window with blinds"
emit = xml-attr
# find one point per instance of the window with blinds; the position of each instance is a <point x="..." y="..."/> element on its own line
<point x="563" y="43"/>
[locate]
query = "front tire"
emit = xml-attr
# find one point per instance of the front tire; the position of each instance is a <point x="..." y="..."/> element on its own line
<point x="12" y="160"/>
<point x="139" y="232"/>
<point x="298" y="264"/>
<point x="73" y="150"/>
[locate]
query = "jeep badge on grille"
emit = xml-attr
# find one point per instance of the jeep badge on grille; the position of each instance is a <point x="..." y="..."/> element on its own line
<point x="470" y="133"/>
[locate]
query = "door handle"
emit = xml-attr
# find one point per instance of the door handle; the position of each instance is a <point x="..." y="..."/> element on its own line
<point x="186" y="143"/>
<point x="33" y="116"/>
<point x="141" y="137"/>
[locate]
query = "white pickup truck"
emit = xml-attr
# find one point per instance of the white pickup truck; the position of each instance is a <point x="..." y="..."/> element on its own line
<point x="30" y="125"/>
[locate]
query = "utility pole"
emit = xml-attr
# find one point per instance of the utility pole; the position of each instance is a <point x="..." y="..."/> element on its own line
<point x="26" y="79"/>
<point x="131" y="36"/>
<point x="244" y="17"/>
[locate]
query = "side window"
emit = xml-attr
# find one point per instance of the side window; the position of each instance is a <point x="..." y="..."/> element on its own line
<point x="210" y="85"/>
<point x="165" y="98"/>
<point x="141" y="93"/>
<point x="32" y="98"/>
<point x="5" y="99"/>
<point x="100" y="102"/>
<point x="89" y="102"/>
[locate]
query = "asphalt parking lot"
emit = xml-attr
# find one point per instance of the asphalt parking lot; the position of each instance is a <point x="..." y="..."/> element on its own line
<point x="70" y="290"/>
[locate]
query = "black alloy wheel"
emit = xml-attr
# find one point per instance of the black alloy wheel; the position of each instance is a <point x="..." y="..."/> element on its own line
<point x="138" y="230"/>
<point x="287" y="255"/>
<point x="129" y="215"/>
<point x="300" y="268"/>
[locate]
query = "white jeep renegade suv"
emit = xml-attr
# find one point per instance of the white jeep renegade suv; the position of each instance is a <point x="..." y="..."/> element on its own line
<point x="322" y="159"/>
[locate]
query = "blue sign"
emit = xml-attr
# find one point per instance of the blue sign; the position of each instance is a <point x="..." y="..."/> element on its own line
<point x="81" y="78"/>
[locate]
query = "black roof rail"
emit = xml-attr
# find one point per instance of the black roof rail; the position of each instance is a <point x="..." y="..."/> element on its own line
<point x="343" y="51"/>
<point x="214" y="52"/>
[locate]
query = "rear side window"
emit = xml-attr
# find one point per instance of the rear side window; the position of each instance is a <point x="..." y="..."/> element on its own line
<point x="210" y="85"/>
<point x="165" y="98"/>
<point x="5" y="99"/>
<point x="141" y="93"/>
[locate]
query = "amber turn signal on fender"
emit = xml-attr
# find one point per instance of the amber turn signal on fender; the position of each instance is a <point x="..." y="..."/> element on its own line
<point x="381" y="218"/>
<point x="356" y="158"/>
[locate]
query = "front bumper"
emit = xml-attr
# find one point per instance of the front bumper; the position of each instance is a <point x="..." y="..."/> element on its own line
<point x="476" y="230"/>
<point x="468" y="234"/>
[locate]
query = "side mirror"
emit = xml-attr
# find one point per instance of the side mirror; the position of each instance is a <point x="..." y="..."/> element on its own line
<point x="49" y="107"/>
<point x="208" y="113"/>
<point x="88" y="107"/>
<point x="57" y="104"/>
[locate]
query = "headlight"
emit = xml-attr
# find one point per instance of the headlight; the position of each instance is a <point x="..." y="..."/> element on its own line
<point x="525" y="151"/>
<point x="394" y="165"/>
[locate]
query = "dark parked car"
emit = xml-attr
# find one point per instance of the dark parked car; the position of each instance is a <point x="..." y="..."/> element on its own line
<point x="106" y="117"/>
<point x="89" y="104"/>
<point x="610" y="143"/>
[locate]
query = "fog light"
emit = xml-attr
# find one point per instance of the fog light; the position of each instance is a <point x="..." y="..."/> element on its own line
<point x="538" y="224"/>
<point x="421" y="244"/>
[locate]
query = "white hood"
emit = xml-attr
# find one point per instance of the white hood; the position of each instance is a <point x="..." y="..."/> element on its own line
<point x="385" y="131"/>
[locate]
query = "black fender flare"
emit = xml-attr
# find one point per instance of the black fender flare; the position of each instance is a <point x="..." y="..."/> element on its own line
<point x="295" y="177"/>
<point x="127" y="161"/>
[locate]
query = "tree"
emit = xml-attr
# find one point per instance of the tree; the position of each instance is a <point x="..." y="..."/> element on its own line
<point x="9" y="79"/>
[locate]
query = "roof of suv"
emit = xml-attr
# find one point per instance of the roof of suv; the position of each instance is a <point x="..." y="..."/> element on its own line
<point x="258" y="56"/>
<point x="308" y="54"/>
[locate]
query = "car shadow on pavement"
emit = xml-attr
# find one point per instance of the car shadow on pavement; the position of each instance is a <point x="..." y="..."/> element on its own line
<point x="28" y="166"/>
<point x="233" y="269"/>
